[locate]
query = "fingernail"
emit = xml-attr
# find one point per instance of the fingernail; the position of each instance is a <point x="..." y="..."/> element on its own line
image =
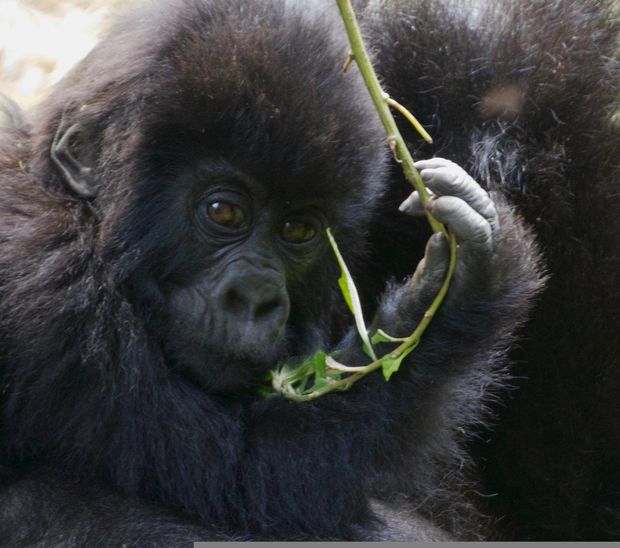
<point x="406" y="203"/>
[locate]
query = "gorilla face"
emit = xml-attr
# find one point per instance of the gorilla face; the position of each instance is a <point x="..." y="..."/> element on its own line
<point x="250" y="251"/>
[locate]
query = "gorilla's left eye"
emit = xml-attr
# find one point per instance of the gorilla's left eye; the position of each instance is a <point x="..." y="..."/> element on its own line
<point x="297" y="231"/>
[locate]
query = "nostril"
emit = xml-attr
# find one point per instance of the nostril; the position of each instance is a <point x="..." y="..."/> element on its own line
<point x="253" y="306"/>
<point x="233" y="300"/>
<point x="268" y="308"/>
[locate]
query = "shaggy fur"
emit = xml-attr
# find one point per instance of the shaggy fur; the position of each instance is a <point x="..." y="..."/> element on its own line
<point x="524" y="93"/>
<point x="94" y="420"/>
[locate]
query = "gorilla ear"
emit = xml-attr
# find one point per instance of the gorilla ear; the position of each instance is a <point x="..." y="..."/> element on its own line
<point x="78" y="177"/>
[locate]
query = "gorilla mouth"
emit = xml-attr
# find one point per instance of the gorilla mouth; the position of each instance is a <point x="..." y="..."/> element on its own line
<point x="234" y="374"/>
<point x="247" y="358"/>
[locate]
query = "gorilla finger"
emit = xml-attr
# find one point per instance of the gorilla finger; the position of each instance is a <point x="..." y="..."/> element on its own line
<point x="464" y="222"/>
<point x="413" y="205"/>
<point x="454" y="181"/>
<point x="437" y="253"/>
<point x="447" y="176"/>
<point x="433" y="163"/>
<point x="432" y="268"/>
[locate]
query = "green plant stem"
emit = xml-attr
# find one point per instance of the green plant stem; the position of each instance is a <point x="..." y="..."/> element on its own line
<point x="382" y="103"/>
<point x="397" y="143"/>
<point x="412" y="119"/>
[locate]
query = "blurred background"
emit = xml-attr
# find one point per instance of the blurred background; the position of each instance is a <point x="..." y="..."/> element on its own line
<point x="41" y="39"/>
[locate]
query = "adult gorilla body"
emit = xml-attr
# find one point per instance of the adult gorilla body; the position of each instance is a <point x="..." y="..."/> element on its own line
<point x="523" y="94"/>
<point x="161" y="247"/>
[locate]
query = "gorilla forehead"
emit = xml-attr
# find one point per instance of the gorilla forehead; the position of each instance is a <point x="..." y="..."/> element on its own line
<point x="259" y="83"/>
<point x="274" y="100"/>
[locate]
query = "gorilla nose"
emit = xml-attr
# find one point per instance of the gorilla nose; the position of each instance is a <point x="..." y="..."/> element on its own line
<point x="266" y="306"/>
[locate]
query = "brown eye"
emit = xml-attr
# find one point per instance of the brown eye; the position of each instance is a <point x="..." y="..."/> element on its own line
<point x="297" y="232"/>
<point x="226" y="214"/>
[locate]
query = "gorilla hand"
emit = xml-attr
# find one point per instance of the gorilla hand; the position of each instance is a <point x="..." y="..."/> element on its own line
<point x="460" y="203"/>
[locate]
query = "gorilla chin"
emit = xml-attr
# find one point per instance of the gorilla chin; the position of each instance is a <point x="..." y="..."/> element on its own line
<point x="219" y="373"/>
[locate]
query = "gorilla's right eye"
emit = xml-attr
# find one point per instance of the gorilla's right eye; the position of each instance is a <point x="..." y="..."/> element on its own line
<point x="226" y="214"/>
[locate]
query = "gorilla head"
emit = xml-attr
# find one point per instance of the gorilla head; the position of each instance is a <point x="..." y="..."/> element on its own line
<point x="202" y="200"/>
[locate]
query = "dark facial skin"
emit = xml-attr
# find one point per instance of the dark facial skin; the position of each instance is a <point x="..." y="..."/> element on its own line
<point x="248" y="248"/>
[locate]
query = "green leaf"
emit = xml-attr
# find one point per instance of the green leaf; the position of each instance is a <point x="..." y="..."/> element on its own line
<point x="314" y="366"/>
<point x="369" y="351"/>
<point x="318" y="365"/>
<point x="320" y="383"/>
<point x="310" y="365"/>
<point x="391" y="364"/>
<point x="344" y="289"/>
<point x="351" y="296"/>
<point x="291" y="375"/>
<point x="381" y="336"/>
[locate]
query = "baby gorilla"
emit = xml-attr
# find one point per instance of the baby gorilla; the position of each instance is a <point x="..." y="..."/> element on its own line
<point x="171" y="250"/>
<point x="404" y="429"/>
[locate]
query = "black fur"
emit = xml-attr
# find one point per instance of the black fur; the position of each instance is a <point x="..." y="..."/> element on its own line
<point x="523" y="93"/>
<point x="92" y="409"/>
